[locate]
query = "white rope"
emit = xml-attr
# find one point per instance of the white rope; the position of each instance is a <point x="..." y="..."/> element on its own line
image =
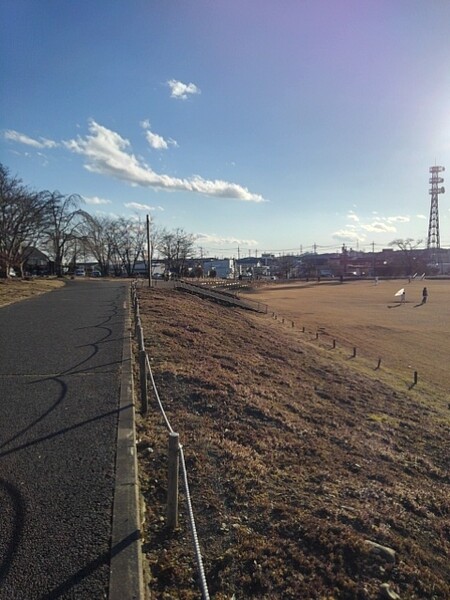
<point x="169" y="426"/>
<point x="198" y="554"/>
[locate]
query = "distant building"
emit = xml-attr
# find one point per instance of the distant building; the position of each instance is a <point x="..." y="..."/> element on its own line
<point x="223" y="267"/>
<point x="37" y="263"/>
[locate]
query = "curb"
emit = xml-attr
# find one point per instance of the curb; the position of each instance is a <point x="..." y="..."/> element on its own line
<point x="126" y="574"/>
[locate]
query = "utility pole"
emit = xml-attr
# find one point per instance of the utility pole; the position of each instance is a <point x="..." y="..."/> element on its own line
<point x="149" y="250"/>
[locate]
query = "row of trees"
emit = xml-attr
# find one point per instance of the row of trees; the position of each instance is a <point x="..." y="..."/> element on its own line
<point x="57" y="225"/>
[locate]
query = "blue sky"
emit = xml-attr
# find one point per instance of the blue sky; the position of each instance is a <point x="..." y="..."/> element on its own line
<point x="264" y="125"/>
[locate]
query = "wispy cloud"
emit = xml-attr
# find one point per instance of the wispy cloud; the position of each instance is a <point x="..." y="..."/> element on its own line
<point x="398" y="219"/>
<point x="21" y="138"/>
<point x="108" y="153"/>
<point x="216" y="240"/>
<point x="96" y="200"/>
<point x="353" y="216"/>
<point x="358" y="227"/>
<point x="155" y="140"/>
<point x="141" y="207"/>
<point x="348" y="235"/>
<point x="378" y="227"/>
<point x="180" y="90"/>
<point x="422" y="216"/>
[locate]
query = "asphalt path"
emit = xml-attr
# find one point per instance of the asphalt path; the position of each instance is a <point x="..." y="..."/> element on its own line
<point x="60" y="359"/>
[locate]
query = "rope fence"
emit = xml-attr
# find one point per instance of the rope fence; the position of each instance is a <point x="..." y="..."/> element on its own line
<point x="176" y="453"/>
<point x="317" y="333"/>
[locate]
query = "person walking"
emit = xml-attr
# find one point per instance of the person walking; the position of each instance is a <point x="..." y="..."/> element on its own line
<point x="424" y="295"/>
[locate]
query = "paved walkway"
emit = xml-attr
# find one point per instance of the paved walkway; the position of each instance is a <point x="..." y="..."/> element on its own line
<point x="60" y="364"/>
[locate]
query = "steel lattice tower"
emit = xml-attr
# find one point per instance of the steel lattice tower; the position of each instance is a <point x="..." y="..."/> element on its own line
<point x="434" y="244"/>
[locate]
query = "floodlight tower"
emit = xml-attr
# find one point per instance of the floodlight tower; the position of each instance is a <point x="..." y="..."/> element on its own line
<point x="434" y="244"/>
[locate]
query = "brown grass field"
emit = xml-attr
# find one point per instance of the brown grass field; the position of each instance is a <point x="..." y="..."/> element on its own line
<point x="410" y="337"/>
<point x="300" y="457"/>
<point x="14" y="290"/>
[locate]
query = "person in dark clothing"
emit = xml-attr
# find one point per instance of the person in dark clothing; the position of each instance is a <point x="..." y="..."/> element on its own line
<point x="424" y="295"/>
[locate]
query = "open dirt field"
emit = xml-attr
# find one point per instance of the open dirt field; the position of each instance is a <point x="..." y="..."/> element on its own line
<point x="299" y="459"/>
<point x="407" y="337"/>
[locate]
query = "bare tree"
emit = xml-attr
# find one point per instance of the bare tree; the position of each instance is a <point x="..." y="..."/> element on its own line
<point x="176" y="247"/>
<point x="97" y="234"/>
<point x="410" y="256"/>
<point x="286" y="265"/>
<point x="22" y="216"/>
<point x="129" y="240"/>
<point x="62" y="230"/>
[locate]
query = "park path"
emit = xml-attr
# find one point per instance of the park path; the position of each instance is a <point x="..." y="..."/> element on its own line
<point x="60" y="363"/>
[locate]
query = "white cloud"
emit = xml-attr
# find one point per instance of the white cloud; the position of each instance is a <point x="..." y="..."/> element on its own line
<point x="378" y="227"/>
<point x="155" y="140"/>
<point x="422" y="216"/>
<point x="398" y="219"/>
<point x="21" y="138"/>
<point x="143" y="207"/>
<point x="107" y="153"/>
<point x="180" y="90"/>
<point x="352" y="216"/>
<point x="96" y="200"/>
<point x="348" y="235"/>
<point x="213" y="239"/>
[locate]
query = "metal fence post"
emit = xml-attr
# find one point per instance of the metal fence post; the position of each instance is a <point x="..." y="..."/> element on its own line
<point x="172" y="484"/>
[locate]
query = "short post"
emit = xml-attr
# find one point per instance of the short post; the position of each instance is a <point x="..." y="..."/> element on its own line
<point x="143" y="380"/>
<point x="303" y="329"/>
<point x="141" y="339"/>
<point x="172" y="484"/>
<point x="317" y="335"/>
<point x="379" y="363"/>
<point x="354" y="352"/>
<point x="282" y="320"/>
<point x="293" y="324"/>
<point x="138" y="326"/>
<point x="334" y="343"/>
<point x="415" y="377"/>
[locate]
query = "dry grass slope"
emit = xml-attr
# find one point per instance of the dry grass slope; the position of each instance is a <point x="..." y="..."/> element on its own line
<point x="295" y="459"/>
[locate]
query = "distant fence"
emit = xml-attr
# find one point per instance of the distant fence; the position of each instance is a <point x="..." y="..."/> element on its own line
<point x="221" y="296"/>
<point x="176" y="454"/>
<point x="318" y="334"/>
